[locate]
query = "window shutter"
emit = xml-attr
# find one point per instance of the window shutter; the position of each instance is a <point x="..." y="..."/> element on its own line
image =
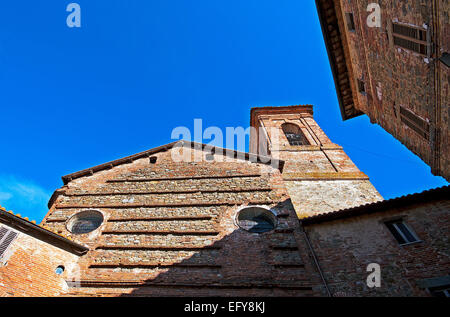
<point x="415" y="123"/>
<point x="3" y="231"/>
<point x="411" y="38"/>
<point x="6" y="238"/>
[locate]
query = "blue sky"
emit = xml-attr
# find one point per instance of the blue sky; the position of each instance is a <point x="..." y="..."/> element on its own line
<point x="73" y="98"/>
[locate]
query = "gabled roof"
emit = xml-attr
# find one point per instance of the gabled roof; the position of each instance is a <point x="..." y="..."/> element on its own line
<point x="334" y="38"/>
<point x="403" y="201"/>
<point x="40" y="232"/>
<point x="200" y="146"/>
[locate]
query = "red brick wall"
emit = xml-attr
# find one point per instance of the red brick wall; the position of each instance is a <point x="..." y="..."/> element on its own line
<point x="345" y="247"/>
<point x="28" y="268"/>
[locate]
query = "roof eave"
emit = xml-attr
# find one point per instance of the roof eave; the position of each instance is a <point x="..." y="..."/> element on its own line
<point x="334" y="72"/>
<point x="41" y="233"/>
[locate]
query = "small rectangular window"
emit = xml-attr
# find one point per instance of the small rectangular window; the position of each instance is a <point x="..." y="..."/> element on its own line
<point x="361" y="86"/>
<point x="443" y="291"/>
<point x="401" y="232"/>
<point x="411" y="38"/>
<point x="350" y="21"/>
<point x="6" y="238"/>
<point x="414" y="122"/>
<point x="445" y="59"/>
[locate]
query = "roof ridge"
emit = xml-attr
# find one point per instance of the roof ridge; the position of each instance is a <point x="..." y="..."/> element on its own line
<point x="128" y="159"/>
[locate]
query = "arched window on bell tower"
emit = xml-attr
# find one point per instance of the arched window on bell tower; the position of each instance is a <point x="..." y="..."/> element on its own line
<point x="294" y="134"/>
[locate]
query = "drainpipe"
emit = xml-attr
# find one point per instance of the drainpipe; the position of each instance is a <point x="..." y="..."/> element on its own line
<point x="305" y="234"/>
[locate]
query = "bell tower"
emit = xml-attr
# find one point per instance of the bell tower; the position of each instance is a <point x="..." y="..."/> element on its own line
<point x="318" y="175"/>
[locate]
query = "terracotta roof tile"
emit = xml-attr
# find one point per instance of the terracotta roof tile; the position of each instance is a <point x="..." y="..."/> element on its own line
<point x="11" y="219"/>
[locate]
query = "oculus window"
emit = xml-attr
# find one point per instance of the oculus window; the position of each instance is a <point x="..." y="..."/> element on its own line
<point x="256" y="220"/>
<point x="85" y="221"/>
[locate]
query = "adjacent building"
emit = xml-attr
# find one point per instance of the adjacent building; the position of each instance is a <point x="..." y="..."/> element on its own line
<point x="406" y="238"/>
<point x="390" y="61"/>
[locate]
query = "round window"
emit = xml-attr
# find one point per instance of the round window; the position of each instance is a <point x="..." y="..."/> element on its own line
<point x="59" y="270"/>
<point x="85" y="221"/>
<point x="256" y="220"/>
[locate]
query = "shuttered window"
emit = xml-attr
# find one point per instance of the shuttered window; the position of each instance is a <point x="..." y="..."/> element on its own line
<point x="3" y="231"/>
<point x="410" y="38"/>
<point x="415" y="123"/>
<point x="6" y="238"/>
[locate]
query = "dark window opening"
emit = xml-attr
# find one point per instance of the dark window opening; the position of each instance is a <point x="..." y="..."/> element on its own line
<point x="60" y="270"/>
<point x="153" y="159"/>
<point x="361" y="86"/>
<point x="350" y="21"/>
<point x="401" y="232"/>
<point x="411" y="38"/>
<point x="294" y="134"/>
<point x="442" y="291"/>
<point x="445" y="59"/>
<point x="256" y="220"/>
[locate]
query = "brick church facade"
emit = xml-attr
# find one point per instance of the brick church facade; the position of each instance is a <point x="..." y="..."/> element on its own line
<point x="294" y="217"/>
<point x="395" y="71"/>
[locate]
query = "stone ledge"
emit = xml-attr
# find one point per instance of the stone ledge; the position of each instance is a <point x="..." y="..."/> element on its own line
<point x="202" y="190"/>
<point x="325" y="176"/>
<point x="123" y="284"/>
<point x="177" y="178"/>
<point x="189" y="204"/>
<point x="306" y="148"/>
